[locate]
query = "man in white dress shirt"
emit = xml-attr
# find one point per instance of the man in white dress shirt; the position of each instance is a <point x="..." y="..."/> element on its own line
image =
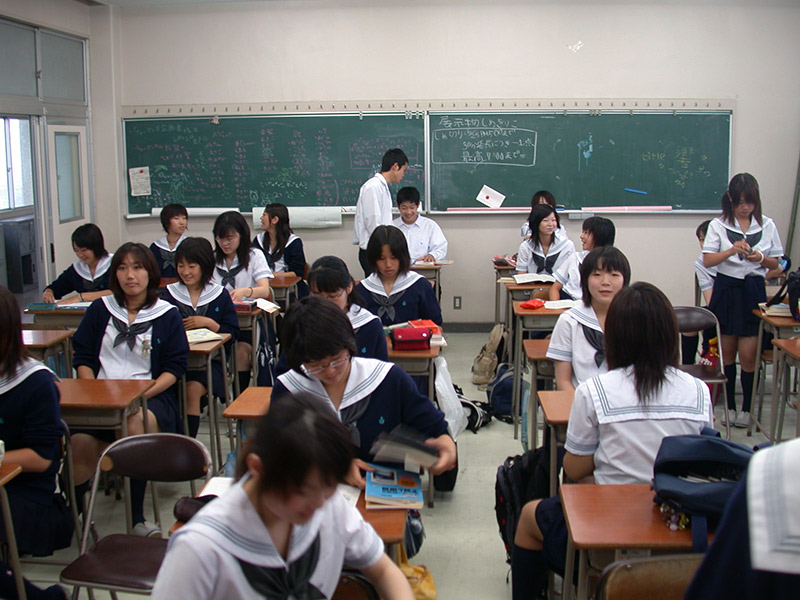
<point x="374" y="205"/>
<point x="426" y="242"/>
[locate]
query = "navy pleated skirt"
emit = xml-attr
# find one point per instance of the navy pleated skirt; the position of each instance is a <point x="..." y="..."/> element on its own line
<point x="733" y="301"/>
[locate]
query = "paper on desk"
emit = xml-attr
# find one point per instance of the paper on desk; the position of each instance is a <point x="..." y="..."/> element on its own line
<point x="349" y="492"/>
<point x="140" y="181"/>
<point x="266" y="305"/>
<point x="217" y="486"/>
<point x="489" y="197"/>
<point x="558" y="304"/>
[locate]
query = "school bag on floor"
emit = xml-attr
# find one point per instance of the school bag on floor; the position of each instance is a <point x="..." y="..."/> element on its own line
<point x="485" y="364"/>
<point x="500" y="391"/>
<point x="695" y="475"/>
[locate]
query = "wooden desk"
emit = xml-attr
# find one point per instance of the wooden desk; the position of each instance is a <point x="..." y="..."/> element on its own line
<point x="526" y="319"/>
<point x="518" y="292"/>
<point x="8" y="472"/>
<point x="86" y="403"/>
<point x="780" y="328"/>
<point x="613" y="517"/>
<point x="283" y="285"/>
<point x="44" y="343"/>
<point x="556" y="407"/>
<point x="200" y="357"/>
<point x="500" y="271"/>
<point x="60" y="317"/>
<point x="788" y="352"/>
<point x="535" y="352"/>
<point x="248" y="321"/>
<point x="252" y="403"/>
<point x="432" y="273"/>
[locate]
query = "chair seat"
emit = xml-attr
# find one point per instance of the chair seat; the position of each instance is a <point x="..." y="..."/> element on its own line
<point x="767" y="355"/>
<point x="118" y="561"/>
<point x="706" y="373"/>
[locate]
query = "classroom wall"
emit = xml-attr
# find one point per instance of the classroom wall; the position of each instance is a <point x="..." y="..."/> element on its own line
<point x="351" y="50"/>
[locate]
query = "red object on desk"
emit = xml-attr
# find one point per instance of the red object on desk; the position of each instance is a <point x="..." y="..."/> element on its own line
<point x="411" y="338"/>
<point x="533" y="303"/>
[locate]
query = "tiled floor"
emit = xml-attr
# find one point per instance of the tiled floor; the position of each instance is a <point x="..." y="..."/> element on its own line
<point x="463" y="548"/>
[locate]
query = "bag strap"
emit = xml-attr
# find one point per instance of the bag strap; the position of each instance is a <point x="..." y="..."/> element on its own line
<point x="779" y="295"/>
<point x="699" y="533"/>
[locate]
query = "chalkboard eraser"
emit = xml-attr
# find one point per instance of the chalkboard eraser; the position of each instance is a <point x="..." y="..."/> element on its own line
<point x="560" y="207"/>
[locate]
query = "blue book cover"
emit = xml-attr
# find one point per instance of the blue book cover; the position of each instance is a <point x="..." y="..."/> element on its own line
<point x="393" y="488"/>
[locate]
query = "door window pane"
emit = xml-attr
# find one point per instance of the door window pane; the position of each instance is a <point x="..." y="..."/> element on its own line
<point x="68" y="177"/>
<point x="62" y="67"/>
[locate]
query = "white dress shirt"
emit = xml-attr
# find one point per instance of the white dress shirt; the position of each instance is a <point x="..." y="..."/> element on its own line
<point x="424" y="236"/>
<point x="374" y="208"/>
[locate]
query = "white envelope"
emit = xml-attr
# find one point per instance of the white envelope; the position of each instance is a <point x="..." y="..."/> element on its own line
<point x="489" y="197"/>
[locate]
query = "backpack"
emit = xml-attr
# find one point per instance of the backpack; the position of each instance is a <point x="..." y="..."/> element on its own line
<point x="520" y="479"/>
<point x="695" y="475"/>
<point x="790" y="288"/>
<point x="485" y="364"/>
<point x="500" y="390"/>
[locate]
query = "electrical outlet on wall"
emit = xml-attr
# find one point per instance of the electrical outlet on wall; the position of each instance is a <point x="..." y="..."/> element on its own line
<point x="456" y="302"/>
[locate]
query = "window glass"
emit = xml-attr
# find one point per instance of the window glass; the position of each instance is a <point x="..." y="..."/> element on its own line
<point x="18" y="49"/>
<point x="21" y="161"/>
<point x="68" y="176"/>
<point x="62" y="67"/>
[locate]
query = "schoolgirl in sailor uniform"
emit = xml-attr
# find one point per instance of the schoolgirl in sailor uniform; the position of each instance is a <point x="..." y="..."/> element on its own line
<point x="616" y="424"/>
<point x="88" y="276"/>
<point x="540" y="197"/>
<point x="393" y="292"/>
<point x="596" y="232"/>
<point x="243" y="271"/>
<point x="281" y="247"/>
<point x="369" y="396"/>
<point x="577" y="344"/>
<point x="201" y="304"/>
<point x="282" y="531"/>
<point x="548" y="248"/>
<point x="174" y="220"/>
<point x="742" y="244"/>
<point x="132" y="334"/>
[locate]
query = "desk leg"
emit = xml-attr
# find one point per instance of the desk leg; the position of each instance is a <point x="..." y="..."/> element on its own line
<point x="569" y="569"/>
<point x="224" y="359"/>
<point x="783" y="397"/>
<point x="12" y="544"/>
<point x="213" y="429"/>
<point x="517" y="378"/>
<point x="756" y="378"/>
<point x="235" y="369"/>
<point x="496" y="298"/>
<point x="776" y="380"/>
<point x="553" y="460"/>
<point x="533" y="400"/>
<point x="583" y="576"/>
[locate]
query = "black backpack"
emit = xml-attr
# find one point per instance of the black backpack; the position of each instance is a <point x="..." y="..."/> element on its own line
<point x="696" y="475"/>
<point x="790" y="288"/>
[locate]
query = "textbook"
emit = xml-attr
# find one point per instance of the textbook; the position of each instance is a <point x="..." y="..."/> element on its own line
<point x="392" y="488"/>
<point x="403" y="443"/>
<point x="776" y="310"/>
<point x="533" y="278"/>
<point x="436" y="263"/>
<point x="200" y="335"/>
<point x="559" y="304"/>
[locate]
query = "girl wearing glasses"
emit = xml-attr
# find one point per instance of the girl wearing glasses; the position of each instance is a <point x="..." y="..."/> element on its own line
<point x="369" y="395"/>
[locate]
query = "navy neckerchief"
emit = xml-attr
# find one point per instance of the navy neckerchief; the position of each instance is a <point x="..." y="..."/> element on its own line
<point x="545" y="264"/>
<point x="596" y="341"/>
<point x="229" y="276"/>
<point x="386" y="305"/>
<point x="128" y="333"/>
<point x="280" y="583"/>
<point x="751" y="238"/>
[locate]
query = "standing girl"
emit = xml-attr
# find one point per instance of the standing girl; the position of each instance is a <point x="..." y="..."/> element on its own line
<point x="88" y="276"/>
<point x="201" y="304"/>
<point x="394" y="292"/>
<point x="548" y="247"/>
<point x="577" y="344"/>
<point x="174" y="220"/>
<point x="743" y="245"/>
<point x="283" y="249"/>
<point x="132" y="334"/>
<point x="243" y="271"/>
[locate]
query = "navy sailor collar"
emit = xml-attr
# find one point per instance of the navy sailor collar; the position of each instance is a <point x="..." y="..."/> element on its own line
<point x="180" y="292"/>
<point x="404" y="281"/>
<point x="164" y="244"/>
<point x="25" y="369"/>
<point x="150" y="313"/>
<point x="82" y="269"/>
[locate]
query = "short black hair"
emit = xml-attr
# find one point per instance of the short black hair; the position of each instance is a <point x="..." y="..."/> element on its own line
<point x="388" y="235"/>
<point x="602" y="230"/>
<point x="328" y="275"/>
<point x="543" y="194"/>
<point x="315" y="328"/>
<point x="395" y="155"/>
<point x="604" y="258"/>
<point x="702" y="229"/>
<point x="537" y="215"/>
<point x="144" y="257"/>
<point x="169" y="211"/>
<point x="90" y="237"/>
<point x="227" y="222"/>
<point x="197" y="250"/>
<point x="299" y="434"/>
<point x="408" y="194"/>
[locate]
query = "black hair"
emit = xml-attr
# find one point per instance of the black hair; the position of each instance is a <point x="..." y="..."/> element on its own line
<point x="702" y="229"/>
<point x="408" y="194"/>
<point x="315" y="328"/>
<point x="543" y="194"/>
<point x="197" y="250"/>
<point x="743" y="187"/>
<point x="282" y="231"/>
<point x="388" y="235"/>
<point x="395" y="155"/>
<point x="233" y="221"/>
<point x="142" y="255"/>
<point x="12" y="350"/>
<point x="328" y="275"/>
<point x="169" y="211"/>
<point x="90" y="237"/>
<point x="602" y="230"/>
<point x="539" y="213"/>
<point x="603" y="258"/>
<point x="642" y="330"/>
<point x="297" y="435"/>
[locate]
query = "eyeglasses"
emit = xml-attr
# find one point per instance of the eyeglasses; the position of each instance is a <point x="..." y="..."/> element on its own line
<point x="334" y="364"/>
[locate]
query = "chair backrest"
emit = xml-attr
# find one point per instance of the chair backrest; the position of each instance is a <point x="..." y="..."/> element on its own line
<point x="653" y="578"/>
<point x="692" y="319"/>
<point x="354" y="586"/>
<point x="157" y="457"/>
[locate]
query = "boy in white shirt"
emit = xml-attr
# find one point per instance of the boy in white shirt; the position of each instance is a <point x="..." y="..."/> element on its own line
<point x="426" y="242"/>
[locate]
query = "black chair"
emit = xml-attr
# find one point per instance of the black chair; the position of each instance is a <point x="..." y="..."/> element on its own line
<point x="354" y="586"/>
<point x="123" y="562"/>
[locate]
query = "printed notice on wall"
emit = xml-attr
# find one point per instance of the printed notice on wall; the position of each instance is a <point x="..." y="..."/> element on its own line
<point x="140" y="181"/>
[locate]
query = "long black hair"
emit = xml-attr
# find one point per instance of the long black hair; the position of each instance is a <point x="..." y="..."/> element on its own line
<point x="233" y="221"/>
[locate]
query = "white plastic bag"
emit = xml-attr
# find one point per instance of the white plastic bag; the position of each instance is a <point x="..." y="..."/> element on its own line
<point x="449" y="403"/>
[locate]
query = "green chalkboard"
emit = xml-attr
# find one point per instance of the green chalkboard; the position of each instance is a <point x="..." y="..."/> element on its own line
<point x="250" y="161"/>
<point x="608" y="159"/>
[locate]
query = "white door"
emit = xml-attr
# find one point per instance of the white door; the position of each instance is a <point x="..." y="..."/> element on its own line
<point x="68" y="193"/>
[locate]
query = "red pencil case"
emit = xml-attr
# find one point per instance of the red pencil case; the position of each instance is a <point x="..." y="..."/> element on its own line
<point x="411" y="338"/>
<point x="532" y="303"/>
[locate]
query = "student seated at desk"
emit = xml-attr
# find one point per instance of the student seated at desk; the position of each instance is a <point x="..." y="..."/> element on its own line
<point x="540" y="197"/>
<point x="132" y="334"/>
<point x="243" y="271"/>
<point x="281" y="247"/>
<point x="616" y="424"/>
<point x="426" y="242"/>
<point x="282" y="530"/>
<point x="394" y="292"/>
<point x="201" y="304"/>
<point x="548" y="248"/>
<point x="369" y="396"/>
<point x="30" y="426"/>
<point x="174" y="220"/>
<point x="597" y="232"/>
<point x="87" y="276"/>
<point x="576" y="347"/>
